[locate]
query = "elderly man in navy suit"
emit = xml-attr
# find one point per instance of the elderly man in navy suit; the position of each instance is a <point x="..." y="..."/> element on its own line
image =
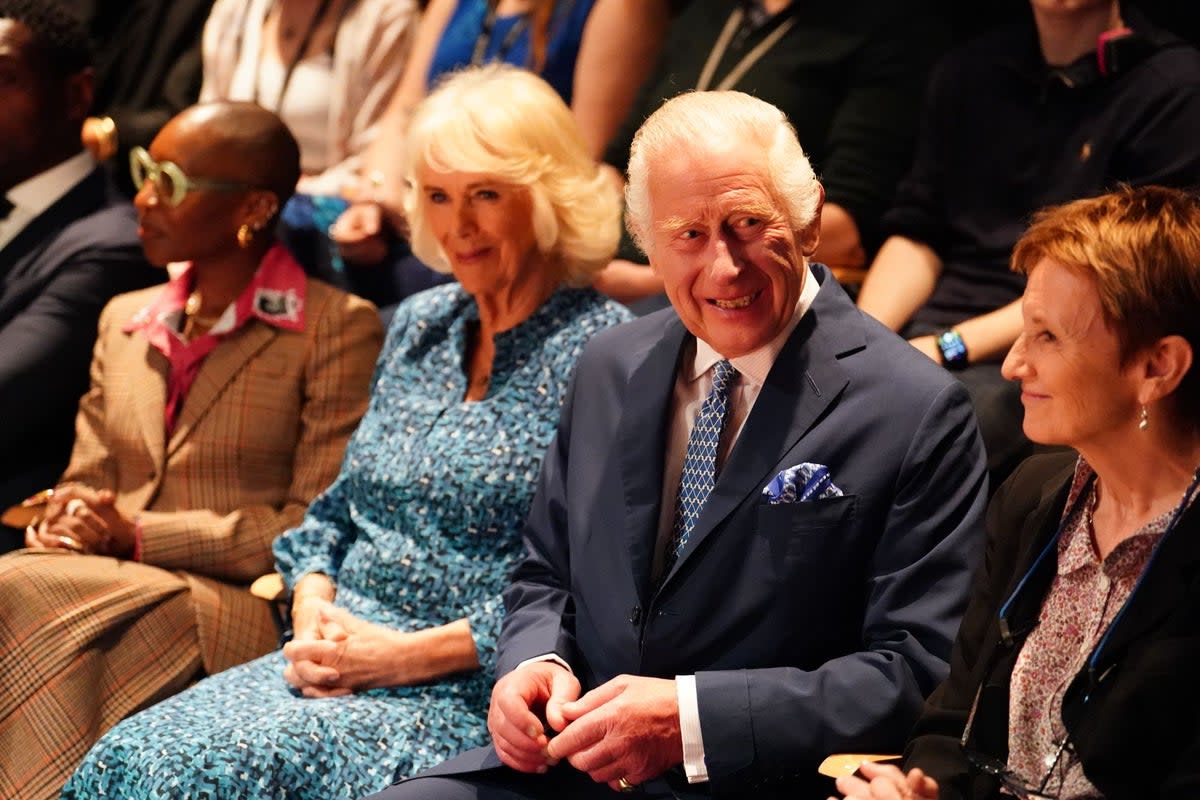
<point x="68" y="243"/>
<point x="755" y="528"/>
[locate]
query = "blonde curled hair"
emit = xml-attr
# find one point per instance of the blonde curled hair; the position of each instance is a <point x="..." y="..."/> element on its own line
<point x="507" y="122"/>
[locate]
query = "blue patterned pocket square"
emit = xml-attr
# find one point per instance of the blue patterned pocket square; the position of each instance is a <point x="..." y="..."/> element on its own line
<point x="801" y="483"/>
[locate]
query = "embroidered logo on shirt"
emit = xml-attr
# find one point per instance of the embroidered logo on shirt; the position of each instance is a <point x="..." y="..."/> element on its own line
<point x="276" y="304"/>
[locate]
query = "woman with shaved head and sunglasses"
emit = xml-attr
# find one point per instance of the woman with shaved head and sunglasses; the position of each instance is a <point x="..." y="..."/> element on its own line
<point x="220" y="405"/>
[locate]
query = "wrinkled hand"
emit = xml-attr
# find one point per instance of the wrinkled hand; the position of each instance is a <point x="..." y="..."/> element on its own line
<point x="361" y="234"/>
<point x="887" y="782"/>
<point x="346" y="654"/>
<point x="518" y="732"/>
<point x="83" y="520"/>
<point x="627" y="728"/>
<point x="306" y="615"/>
<point x="928" y="345"/>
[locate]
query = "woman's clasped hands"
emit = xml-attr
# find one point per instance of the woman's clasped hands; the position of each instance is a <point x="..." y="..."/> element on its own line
<point x="335" y="653"/>
<point x="86" y="521"/>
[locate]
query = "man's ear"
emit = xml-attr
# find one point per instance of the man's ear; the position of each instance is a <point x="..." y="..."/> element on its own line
<point x="1164" y="365"/>
<point x="810" y="237"/>
<point x="80" y="94"/>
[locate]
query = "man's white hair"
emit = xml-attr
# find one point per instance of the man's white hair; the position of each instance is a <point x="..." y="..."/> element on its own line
<point x="705" y="121"/>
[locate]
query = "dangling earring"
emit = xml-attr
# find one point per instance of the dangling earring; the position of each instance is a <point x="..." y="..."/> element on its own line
<point x="245" y="235"/>
<point x="1143" y="419"/>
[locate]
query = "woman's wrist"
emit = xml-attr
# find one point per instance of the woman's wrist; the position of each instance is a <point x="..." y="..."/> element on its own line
<point x="315" y="586"/>
<point x="436" y="652"/>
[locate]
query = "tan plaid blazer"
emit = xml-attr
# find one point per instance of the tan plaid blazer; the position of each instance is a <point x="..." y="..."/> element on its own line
<point x="260" y="434"/>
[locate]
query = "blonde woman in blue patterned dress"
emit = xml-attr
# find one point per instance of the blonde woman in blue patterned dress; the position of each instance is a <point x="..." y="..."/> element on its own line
<point x="397" y="568"/>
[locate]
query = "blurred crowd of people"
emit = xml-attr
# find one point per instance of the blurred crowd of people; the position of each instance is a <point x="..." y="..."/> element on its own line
<point x="870" y="326"/>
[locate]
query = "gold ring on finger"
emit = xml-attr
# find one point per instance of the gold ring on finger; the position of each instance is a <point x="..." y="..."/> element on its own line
<point x="70" y="543"/>
<point x="624" y="785"/>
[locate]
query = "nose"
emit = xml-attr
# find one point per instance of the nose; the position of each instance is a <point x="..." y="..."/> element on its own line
<point x="465" y="220"/>
<point x="1015" y="367"/>
<point x="146" y="196"/>
<point x="726" y="260"/>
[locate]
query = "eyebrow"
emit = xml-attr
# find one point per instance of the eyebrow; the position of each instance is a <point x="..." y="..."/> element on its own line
<point x="758" y="209"/>
<point x="431" y="187"/>
<point x="672" y="224"/>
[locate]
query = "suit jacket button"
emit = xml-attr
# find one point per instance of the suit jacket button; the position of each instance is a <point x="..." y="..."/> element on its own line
<point x="635" y="616"/>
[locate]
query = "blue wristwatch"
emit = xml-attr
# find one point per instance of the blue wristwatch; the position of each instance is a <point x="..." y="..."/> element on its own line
<point x="954" y="349"/>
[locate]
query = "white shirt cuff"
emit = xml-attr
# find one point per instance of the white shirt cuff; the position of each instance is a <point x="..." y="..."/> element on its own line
<point x="689" y="726"/>
<point x="546" y="657"/>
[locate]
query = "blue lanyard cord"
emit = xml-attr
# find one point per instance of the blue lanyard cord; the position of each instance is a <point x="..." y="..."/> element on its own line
<point x="1005" y="633"/>
<point x="1175" y="516"/>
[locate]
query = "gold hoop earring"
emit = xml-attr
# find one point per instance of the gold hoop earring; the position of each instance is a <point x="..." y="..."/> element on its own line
<point x="245" y="235"/>
<point x="1143" y="419"/>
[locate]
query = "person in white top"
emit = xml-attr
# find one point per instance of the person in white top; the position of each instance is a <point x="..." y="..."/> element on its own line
<point x="327" y="67"/>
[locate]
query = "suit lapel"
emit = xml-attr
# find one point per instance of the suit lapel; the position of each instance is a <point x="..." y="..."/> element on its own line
<point x="804" y="381"/>
<point x="1038" y="529"/>
<point x="642" y="444"/>
<point x="152" y="398"/>
<point x="220" y="369"/>
<point x="18" y="257"/>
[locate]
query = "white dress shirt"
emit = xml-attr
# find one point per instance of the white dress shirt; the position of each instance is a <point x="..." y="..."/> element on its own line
<point x="31" y="197"/>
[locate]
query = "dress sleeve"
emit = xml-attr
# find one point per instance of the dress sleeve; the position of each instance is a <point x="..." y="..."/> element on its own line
<point x="322" y="539"/>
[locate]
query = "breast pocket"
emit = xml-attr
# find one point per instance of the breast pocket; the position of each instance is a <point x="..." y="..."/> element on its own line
<point x="809" y="573"/>
<point x="807" y="530"/>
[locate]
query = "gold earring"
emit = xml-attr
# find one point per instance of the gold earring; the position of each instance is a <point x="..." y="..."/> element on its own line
<point x="245" y="235"/>
<point x="1143" y="419"/>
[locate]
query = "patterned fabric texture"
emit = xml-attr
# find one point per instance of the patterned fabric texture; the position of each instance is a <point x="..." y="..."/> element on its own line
<point x="421" y="528"/>
<point x="87" y="640"/>
<point x="700" y="460"/>
<point x="801" y="483"/>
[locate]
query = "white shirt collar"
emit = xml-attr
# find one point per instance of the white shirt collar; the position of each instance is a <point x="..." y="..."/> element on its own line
<point x="35" y="195"/>
<point x="756" y="365"/>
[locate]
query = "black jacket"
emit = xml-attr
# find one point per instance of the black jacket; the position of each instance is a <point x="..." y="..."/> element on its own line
<point x="1138" y="734"/>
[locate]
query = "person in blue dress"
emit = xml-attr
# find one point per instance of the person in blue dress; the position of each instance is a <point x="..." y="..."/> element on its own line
<point x="396" y="569"/>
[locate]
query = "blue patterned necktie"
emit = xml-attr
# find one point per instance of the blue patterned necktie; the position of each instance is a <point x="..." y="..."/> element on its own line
<point x="700" y="461"/>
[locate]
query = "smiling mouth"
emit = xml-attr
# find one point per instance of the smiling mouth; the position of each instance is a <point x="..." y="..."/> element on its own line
<point x="737" y="302"/>
<point x="471" y="255"/>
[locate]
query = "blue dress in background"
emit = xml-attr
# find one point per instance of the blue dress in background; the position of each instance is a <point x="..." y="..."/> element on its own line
<point x="566" y="31"/>
<point x="421" y="528"/>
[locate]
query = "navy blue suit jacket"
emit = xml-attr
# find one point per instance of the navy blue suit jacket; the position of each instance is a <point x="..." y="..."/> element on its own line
<point x="812" y="627"/>
<point x="55" y="277"/>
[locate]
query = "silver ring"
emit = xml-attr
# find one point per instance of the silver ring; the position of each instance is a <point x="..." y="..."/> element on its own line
<point x="624" y="785"/>
<point x="74" y="506"/>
